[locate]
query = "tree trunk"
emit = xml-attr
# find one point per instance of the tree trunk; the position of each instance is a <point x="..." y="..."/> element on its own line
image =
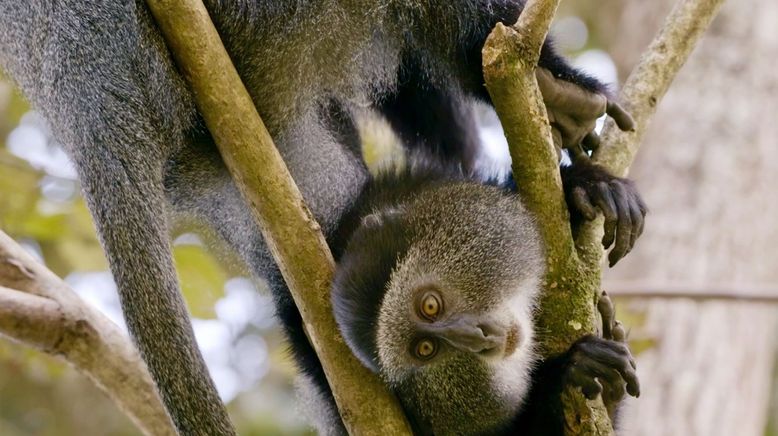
<point x="707" y="171"/>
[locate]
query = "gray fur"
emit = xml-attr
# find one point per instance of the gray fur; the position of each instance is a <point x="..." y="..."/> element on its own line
<point x="101" y="75"/>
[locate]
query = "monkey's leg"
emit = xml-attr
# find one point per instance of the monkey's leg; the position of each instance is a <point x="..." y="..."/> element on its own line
<point x="125" y="195"/>
<point x="433" y="118"/>
<point x="198" y="183"/>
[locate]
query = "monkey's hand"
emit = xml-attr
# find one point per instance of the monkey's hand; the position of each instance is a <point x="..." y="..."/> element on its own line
<point x="604" y="365"/>
<point x="573" y="112"/>
<point x="589" y="187"/>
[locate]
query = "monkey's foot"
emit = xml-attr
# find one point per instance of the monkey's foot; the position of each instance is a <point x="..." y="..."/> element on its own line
<point x="589" y="187"/>
<point x="604" y="365"/>
<point x="573" y="112"/>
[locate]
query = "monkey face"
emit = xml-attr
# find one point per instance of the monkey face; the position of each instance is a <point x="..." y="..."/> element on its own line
<point x="455" y="335"/>
<point x="457" y="368"/>
<point x="428" y="317"/>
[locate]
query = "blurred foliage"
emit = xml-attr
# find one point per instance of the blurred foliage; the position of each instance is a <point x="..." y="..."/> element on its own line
<point x="41" y="396"/>
<point x="202" y="279"/>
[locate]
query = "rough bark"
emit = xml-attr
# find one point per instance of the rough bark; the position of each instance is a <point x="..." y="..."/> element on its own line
<point x="707" y="171"/>
<point x="295" y="239"/>
<point x="566" y="309"/>
<point x="38" y="309"/>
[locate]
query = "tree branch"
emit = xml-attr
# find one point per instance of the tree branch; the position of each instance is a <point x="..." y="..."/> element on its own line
<point x="38" y="309"/>
<point x="295" y="239"/>
<point x="650" y="80"/>
<point x="567" y="309"/>
<point x="510" y="56"/>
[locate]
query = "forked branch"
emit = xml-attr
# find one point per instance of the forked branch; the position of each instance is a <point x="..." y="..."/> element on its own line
<point x="38" y="309"/>
<point x="567" y="309"/>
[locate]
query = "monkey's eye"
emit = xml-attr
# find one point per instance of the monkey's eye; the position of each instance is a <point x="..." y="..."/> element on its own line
<point x="430" y="305"/>
<point x="426" y="349"/>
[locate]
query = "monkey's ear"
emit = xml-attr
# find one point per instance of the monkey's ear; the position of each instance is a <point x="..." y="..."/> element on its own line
<point x="378" y="218"/>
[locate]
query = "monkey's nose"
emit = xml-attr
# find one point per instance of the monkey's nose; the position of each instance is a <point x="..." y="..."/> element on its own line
<point x="471" y="334"/>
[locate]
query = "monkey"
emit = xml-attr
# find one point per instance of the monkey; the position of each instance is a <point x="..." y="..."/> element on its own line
<point x="435" y="290"/>
<point x="101" y="75"/>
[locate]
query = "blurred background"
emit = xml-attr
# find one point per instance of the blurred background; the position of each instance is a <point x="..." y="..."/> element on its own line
<point x="699" y="292"/>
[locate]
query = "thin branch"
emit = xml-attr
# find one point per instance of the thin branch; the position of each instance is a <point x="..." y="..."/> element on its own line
<point x="734" y="292"/>
<point x="295" y="239"/>
<point x="651" y="79"/>
<point x="645" y="87"/>
<point x="38" y="309"/>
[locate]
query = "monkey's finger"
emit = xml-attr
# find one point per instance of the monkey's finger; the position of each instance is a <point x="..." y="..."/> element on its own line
<point x="620" y="115"/>
<point x="588" y="384"/>
<point x="615" y="389"/>
<point x="579" y="102"/>
<point x="616" y="356"/>
<point x="612" y="394"/>
<point x="641" y="204"/>
<point x="619" y="334"/>
<point x="583" y="203"/>
<point x="638" y="222"/>
<point x="608" y="376"/>
<point x="623" y="225"/>
<point x="591" y="141"/>
<point x="607" y="312"/>
<point x="604" y="201"/>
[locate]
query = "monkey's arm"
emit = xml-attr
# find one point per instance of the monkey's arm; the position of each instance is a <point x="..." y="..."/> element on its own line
<point x="598" y="365"/>
<point x="429" y="109"/>
<point x="574" y="100"/>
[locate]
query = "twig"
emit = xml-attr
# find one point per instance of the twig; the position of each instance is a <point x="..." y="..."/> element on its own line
<point x="734" y="292"/>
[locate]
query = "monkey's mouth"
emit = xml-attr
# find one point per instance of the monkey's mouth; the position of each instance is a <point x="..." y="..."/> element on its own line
<point x="508" y="344"/>
<point x="512" y="340"/>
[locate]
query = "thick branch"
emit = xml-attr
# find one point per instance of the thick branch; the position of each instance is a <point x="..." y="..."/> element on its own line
<point x="650" y="80"/>
<point x="37" y="308"/>
<point x="290" y="231"/>
<point x="509" y="59"/>
<point x="566" y="308"/>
